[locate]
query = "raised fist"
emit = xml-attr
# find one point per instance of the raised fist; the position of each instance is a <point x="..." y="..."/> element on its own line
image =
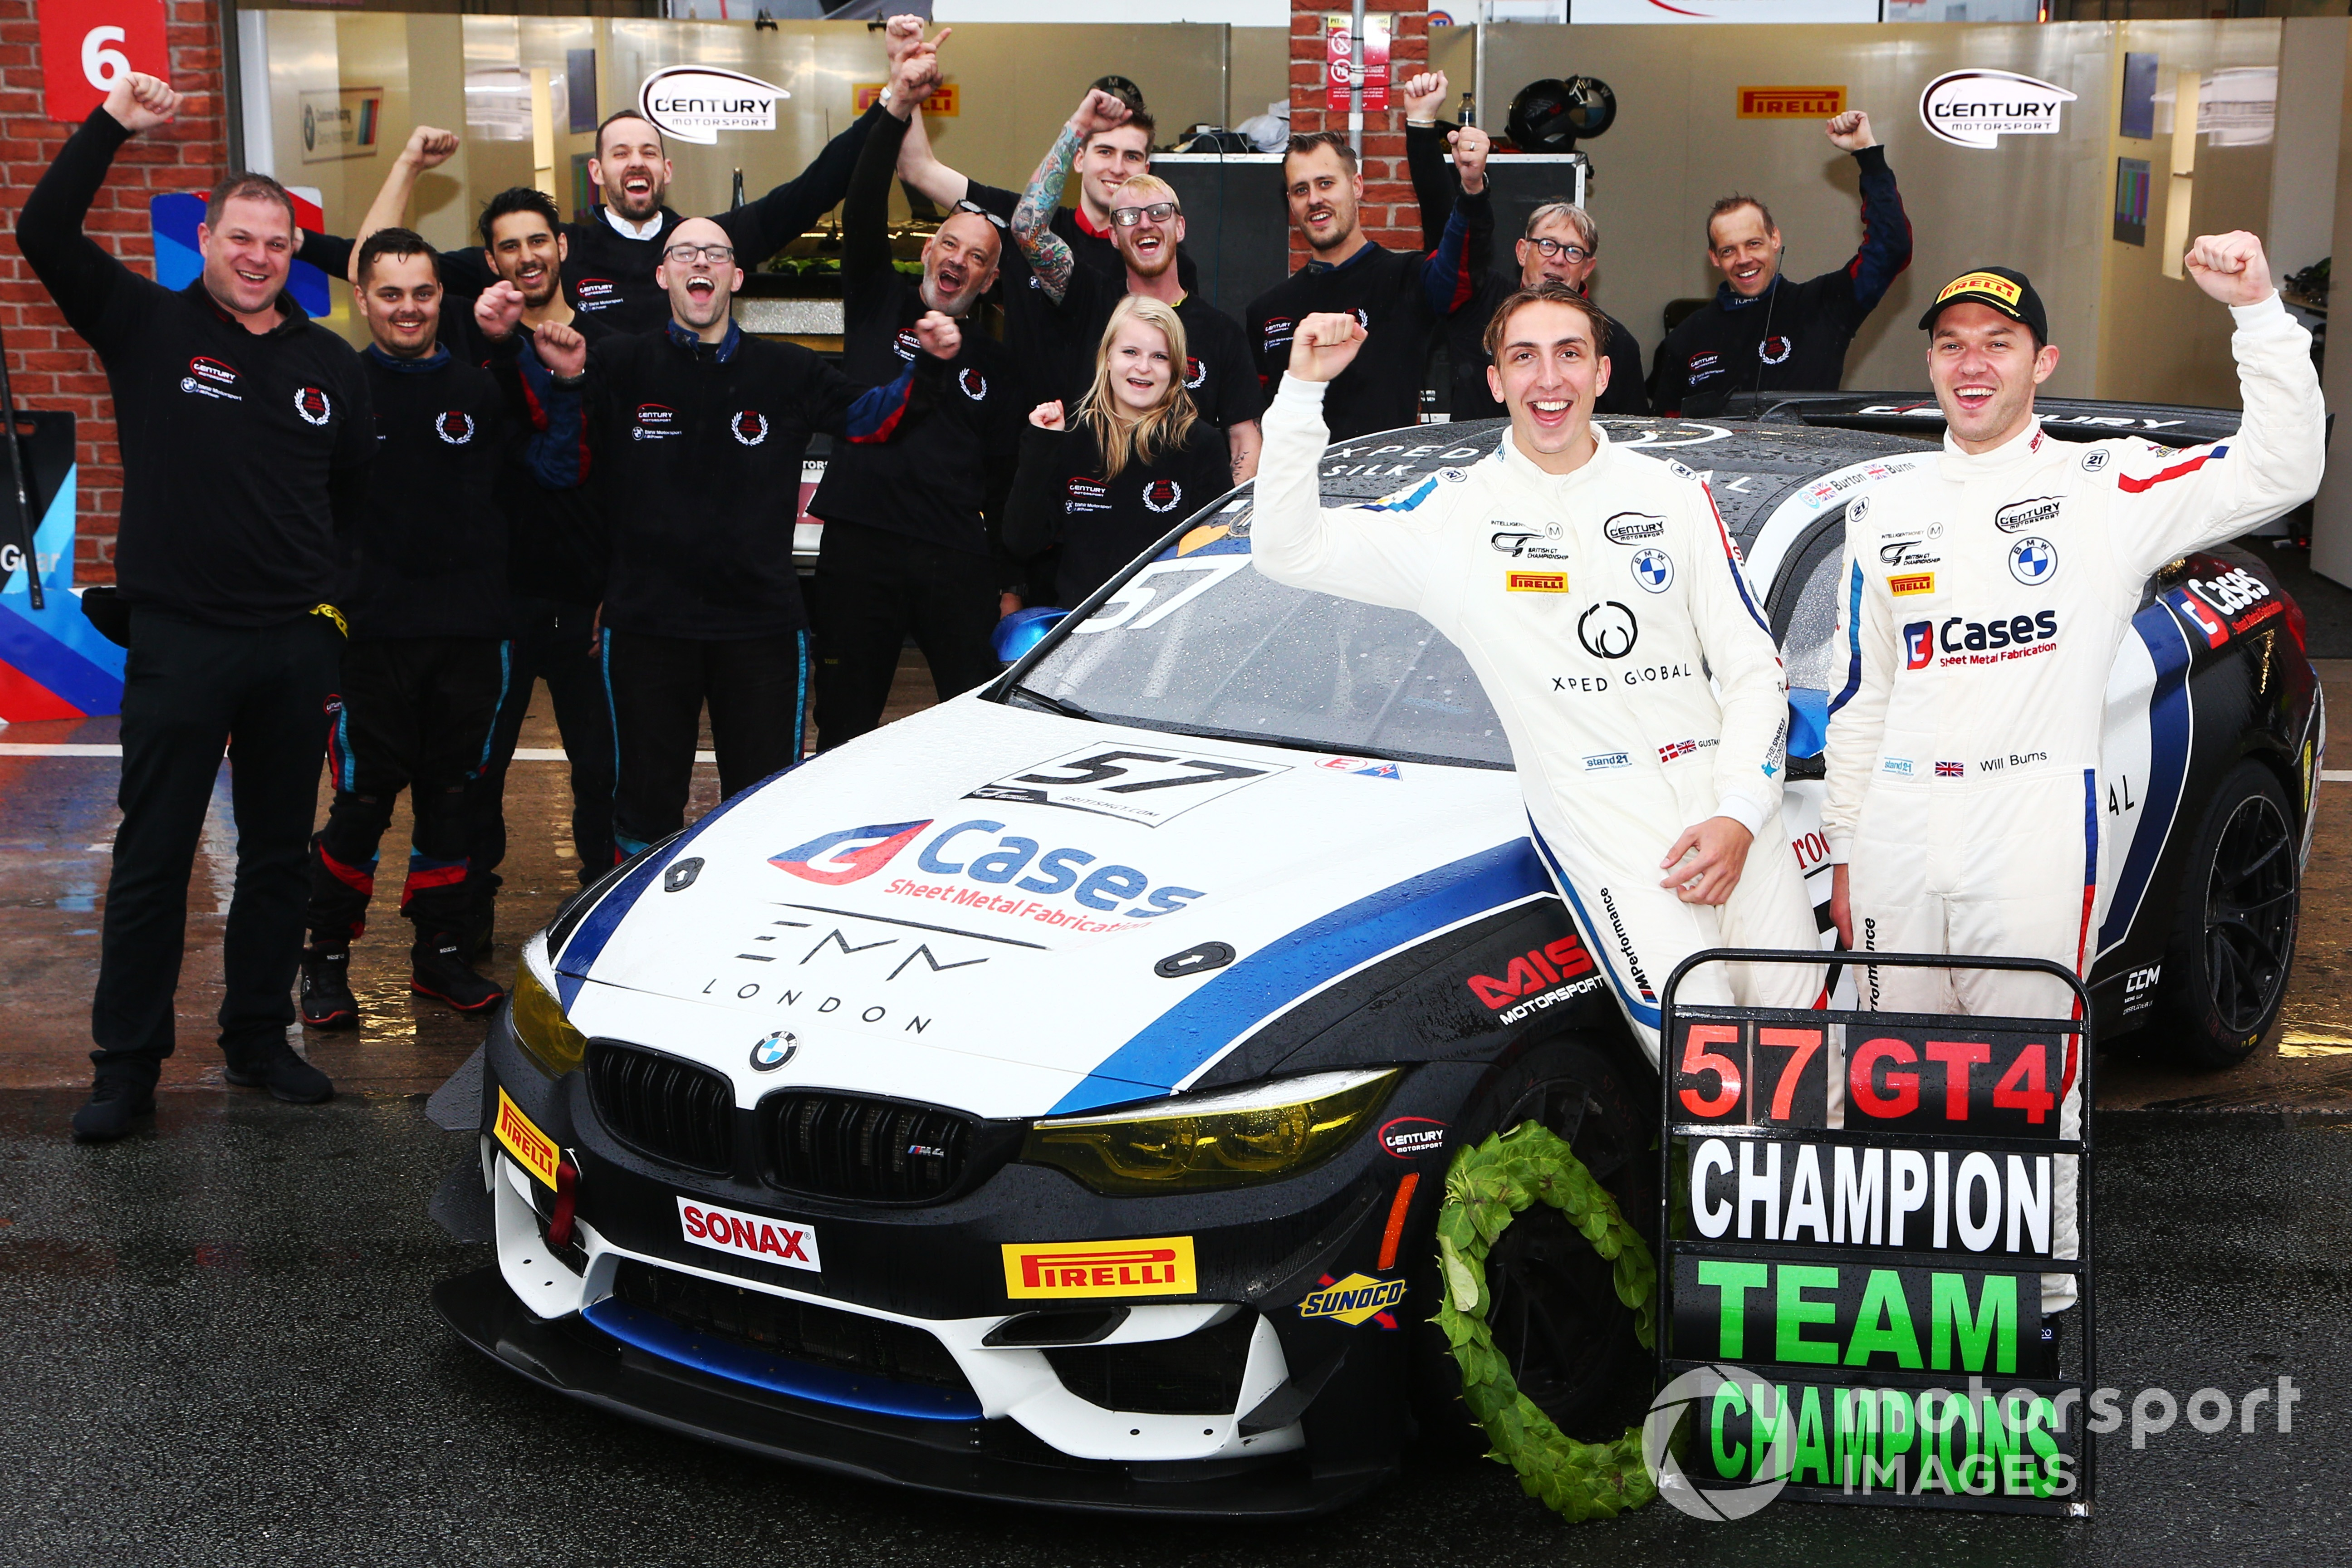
<point x="429" y="147"/>
<point x="141" y="102"/>
<point x="941" y="337"/>
<point x="560" y="349"/>
<point x="1425" y="96"/>
<point x="1325" y="345"/>
<point x="497" y="309"/>
<point x="1047" y="416"/>
<point x="2230" y="267"/>
<point x="1098" y="111"/>
<point x="1849" y="131"/>
<point x="1470" y="146"/>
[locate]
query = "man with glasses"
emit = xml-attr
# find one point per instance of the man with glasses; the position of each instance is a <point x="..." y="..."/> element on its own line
<point x="1560" y="243"/>
<point x="1147" y="225"/>
<point x="1763" y="333"/>
<point x="615" y="254"/>
<point x="910" y="526"/>
<point x="698" y="431"/>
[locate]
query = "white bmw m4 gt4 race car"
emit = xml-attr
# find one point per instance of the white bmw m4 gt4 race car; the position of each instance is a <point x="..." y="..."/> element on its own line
<point x="1048" y="1097"/>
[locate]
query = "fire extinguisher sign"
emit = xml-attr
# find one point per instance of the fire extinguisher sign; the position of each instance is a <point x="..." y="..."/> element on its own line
<point x="87" y="46"/>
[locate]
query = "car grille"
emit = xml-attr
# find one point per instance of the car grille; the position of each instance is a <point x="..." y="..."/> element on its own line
<point x="661" y="1107"/>
<point x="826" y="1336"/>
<point x="1200" y="1374"/>
<point x="847" y="1146"/>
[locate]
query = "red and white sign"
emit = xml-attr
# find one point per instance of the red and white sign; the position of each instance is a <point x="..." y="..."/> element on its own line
<point x="1341" y="45"/>
<point x="87" y="46"/>
<point x="757" y="1236"/>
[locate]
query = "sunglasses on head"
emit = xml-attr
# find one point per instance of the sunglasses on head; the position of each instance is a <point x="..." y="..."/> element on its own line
<point x="978" y="211"/>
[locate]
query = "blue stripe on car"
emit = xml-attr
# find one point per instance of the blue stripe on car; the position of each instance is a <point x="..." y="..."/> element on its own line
<point x="1190" y="1035"/>
<point x="588" y="939"/>
<point x="2169" y="724"/>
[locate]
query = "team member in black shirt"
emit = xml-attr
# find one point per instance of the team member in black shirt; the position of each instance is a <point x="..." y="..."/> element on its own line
<point x="1115" y="147"/>
<point x="555" y="577"/>
<point x="699" y="431"/>
<point x="1147" y="226"/>
<point x="1761" y="332"/>
<point x="1398" y="297"/>
<point x="1561" y="243"/>
<point x="245" y="433"/>
<point x="1135" y="459"/>
<point x="428" y="660"/>
<point x="910" y="526"/>
<point x="614" y="253"/>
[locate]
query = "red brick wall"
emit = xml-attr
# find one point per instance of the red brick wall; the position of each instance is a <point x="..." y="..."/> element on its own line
<point x="48" y="366"/>
<point x="1391" y="217"/>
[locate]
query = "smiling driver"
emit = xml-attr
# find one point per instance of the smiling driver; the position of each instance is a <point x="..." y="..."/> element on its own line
<point x="1594" y="589"/>
<point x="1963" y="752"/>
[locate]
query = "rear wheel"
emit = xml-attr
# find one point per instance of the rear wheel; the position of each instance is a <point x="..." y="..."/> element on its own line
<point x="1554" y="1312"/>
<point x="2232" y="945"/>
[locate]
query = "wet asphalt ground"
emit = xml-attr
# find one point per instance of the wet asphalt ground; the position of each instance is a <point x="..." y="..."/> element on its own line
<point x="215" y="1344"/>
<point x="215" y="1348"/>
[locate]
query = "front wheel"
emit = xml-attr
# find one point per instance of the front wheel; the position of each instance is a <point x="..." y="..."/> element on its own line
<point x="2232" y="945"/>
<point x="1553" y="1309"/>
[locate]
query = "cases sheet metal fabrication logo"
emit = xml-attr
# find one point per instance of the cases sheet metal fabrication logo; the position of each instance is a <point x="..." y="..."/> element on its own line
<point x="850" y="854"/>
<point x="695" y="103"/>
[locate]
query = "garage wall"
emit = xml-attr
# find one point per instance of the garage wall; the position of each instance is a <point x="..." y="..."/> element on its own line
<point x="2038" y="203"/>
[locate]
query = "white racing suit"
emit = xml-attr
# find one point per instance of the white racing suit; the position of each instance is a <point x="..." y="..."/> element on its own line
<point x="1984" y="598"/>
<point x="1593" y="607"/>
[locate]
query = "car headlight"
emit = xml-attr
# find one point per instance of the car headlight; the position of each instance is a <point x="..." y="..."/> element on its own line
<point x="1267" y="1130"/>
<point x="545" y="1035"/>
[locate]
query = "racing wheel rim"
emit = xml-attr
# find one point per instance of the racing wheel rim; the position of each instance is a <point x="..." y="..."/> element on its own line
<point x="1553" y="1309"/>
<point x="2249" y="901"/>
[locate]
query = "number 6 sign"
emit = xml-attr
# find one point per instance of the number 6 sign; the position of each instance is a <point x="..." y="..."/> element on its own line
<point x="87" y="46"/>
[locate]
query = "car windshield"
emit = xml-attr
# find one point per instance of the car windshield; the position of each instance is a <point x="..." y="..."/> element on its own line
<point x="1197" y="642"/>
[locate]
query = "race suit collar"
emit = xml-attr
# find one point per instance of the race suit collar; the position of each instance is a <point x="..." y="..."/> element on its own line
<point x="1507" y="457"/>
<point x="1961" y="466"/>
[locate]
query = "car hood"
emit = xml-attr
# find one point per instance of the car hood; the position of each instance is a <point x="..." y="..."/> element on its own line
<point x="1012" y="912"/>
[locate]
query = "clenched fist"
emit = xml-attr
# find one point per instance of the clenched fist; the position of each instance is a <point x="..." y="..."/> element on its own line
<point x="560" y="349"/>
<point x="141" y="102"/>
<point x="1325" y="345"/>
<point x="2230" y="267"/>
<point x="941" y="337"/>
<point x="497" y="310"/>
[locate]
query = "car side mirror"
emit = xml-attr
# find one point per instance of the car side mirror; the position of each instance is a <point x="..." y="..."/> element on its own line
<point x="1021" y="630"/>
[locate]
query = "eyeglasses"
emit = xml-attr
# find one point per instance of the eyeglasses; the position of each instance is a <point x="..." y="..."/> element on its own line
<point x="978" y="211"/>
<point x="1571" y="254"/>
<point x="684" y="255"/>
<point x="1158" y="212"/>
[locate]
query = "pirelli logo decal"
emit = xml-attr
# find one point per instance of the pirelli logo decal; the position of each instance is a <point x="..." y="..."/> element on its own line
<point x="1536" y="581"/>
<point x="534" y="1151"/>
<point x="1991" y="283"/>
<point x="1911" y="583"/>
<point x="1792" y="102"/>
<point x="1066" y="1270"/>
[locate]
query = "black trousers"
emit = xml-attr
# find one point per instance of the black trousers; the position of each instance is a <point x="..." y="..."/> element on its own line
<point x="415" y="714"/>
<point x="873" y="590"/>
<point x="188" y="692"/>
<point x="553" y="642"/>
<point x="758" y="692"/>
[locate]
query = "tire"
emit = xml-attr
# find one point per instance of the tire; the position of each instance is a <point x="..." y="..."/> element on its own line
<point x="2225" y="971"/>
<point x="1555" y="1315"/>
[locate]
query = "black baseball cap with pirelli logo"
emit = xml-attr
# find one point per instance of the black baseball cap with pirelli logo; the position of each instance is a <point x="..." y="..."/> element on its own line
<point x="2003" y="288"/>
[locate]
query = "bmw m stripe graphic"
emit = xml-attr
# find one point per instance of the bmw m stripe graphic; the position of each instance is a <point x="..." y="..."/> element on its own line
<point x="1853" y="642"/>
<point x="1199" y="1029"/>
<point x="2130" y="486"/>
<point x="2170" y="723"/>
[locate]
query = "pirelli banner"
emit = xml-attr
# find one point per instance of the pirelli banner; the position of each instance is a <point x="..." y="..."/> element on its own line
<point x="1861" y="1211"/>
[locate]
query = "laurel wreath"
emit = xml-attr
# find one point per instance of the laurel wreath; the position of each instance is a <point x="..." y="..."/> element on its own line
<point x="1487" y="1186"/>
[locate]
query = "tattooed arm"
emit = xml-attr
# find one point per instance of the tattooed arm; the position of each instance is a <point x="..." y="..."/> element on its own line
<point x="1049" y="258"/>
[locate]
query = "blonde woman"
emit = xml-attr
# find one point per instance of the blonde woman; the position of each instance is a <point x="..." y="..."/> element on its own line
<point x="1133" y="460"/>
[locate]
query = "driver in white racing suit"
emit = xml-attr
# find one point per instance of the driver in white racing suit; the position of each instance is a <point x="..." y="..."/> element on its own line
<point x="1595" y="591"/>
<point x="1984" y="598"/>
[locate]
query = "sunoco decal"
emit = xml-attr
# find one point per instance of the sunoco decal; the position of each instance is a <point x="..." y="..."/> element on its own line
<point x="1352" y="1300"/>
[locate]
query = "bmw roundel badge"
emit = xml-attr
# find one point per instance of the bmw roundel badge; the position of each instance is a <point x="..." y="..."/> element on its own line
<point x="773" y="1051"/>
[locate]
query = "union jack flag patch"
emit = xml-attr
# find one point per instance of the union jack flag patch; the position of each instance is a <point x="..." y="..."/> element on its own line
<point x="1951" y="770"/>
